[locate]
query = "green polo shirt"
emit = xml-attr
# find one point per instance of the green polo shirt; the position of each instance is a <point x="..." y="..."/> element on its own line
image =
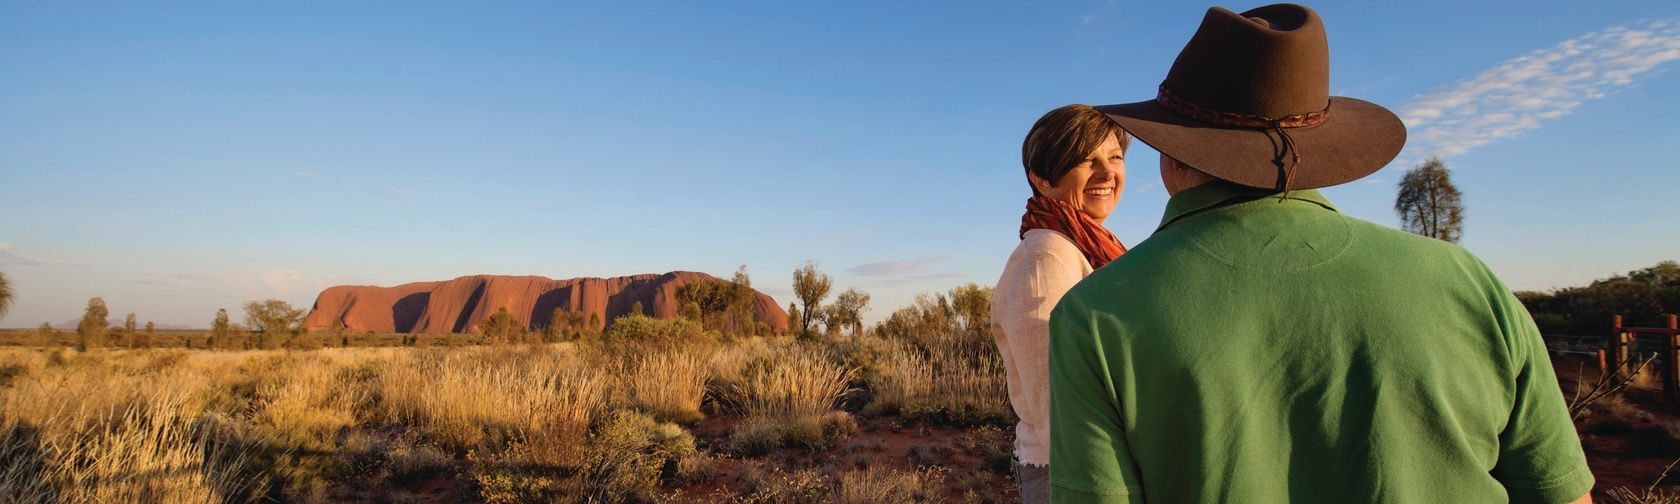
<point x="1257" y="350"/>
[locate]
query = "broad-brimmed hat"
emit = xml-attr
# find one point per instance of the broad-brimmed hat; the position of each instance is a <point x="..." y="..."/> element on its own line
<point x="1248" y="101"/>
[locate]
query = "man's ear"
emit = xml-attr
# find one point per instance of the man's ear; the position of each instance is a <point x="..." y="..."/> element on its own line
<point x="1039" y="183"/>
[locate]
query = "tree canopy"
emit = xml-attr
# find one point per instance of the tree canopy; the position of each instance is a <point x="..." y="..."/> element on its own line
<point x="1429" y="204"/>
<point x="810" y="285"/>
<point x="1641" y="295"/>
<point x="5" y="294"/>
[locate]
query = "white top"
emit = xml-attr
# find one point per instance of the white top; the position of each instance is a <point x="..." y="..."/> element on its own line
<point x="1043" y="267"/>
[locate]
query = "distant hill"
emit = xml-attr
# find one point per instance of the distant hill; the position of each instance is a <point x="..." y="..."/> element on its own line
<point x="460" y="305"/>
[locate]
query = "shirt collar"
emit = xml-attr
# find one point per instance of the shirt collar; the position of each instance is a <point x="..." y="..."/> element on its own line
<point x="1221" y="193"/>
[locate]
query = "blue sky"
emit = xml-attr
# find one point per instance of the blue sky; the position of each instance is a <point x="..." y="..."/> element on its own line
<point x="183" y="157"/>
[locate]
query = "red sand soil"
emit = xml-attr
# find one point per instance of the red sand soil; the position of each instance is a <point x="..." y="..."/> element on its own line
<point x="1624" y="436"/>
<point x="460" y="305"/>
<point x="883" y="443"/>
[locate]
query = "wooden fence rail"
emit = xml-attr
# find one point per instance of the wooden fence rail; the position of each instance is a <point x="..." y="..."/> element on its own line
<point x="1623" y="339"/>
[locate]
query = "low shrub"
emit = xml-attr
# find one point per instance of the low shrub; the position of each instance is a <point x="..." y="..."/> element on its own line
<point x="802" y="486"/>
<point x="645" y="329"/>
<point x="411" y="463"/>
<point x="873" y="485"/>
<point x="626" y="459"/>
<point x="757" y="435"/>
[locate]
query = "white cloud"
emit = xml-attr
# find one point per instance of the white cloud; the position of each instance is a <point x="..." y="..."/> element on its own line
<point x="10" y="257"/>
<point x="1518" y="95"/>
<point x="302" y="173"/>
<point x="901" y="271"/>
<point x="404" y="192"/>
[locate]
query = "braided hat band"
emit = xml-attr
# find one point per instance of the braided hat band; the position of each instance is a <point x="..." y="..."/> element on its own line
<point x="1187" y="108"/>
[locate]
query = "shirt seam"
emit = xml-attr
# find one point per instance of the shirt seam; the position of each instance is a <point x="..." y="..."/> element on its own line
<point x="1347" y="229"/>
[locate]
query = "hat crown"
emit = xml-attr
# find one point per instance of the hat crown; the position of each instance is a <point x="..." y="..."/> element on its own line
<point x="1271" y="61"/>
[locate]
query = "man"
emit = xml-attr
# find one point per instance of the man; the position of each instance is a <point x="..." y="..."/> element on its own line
<point x="1261" y="346"/>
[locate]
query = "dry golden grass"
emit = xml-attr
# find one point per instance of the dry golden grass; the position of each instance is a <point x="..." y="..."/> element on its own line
<point x="875" y="485"/>
<point x="668" y="385"/>
<point x="88" y="430"/>
<point x="540" y="422"/>
<point x="457" y="398"/>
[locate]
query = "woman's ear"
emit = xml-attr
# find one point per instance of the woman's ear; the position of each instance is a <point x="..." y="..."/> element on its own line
<point x="1043" y="186"/>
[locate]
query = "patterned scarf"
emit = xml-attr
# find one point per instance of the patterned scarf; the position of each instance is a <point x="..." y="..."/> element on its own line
<point x="1098" y="244"/>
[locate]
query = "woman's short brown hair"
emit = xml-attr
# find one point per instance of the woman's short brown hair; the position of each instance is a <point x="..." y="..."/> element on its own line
<point x="1062" y="138"/>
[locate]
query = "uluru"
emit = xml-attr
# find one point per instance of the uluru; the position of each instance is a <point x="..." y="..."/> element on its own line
<point x="460" y="305"/>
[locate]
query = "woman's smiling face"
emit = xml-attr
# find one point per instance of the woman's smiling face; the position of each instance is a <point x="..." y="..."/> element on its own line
<point x="1095" y="184"/>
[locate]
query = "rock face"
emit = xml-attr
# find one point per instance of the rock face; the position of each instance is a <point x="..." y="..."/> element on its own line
<point x="460" y="305"/>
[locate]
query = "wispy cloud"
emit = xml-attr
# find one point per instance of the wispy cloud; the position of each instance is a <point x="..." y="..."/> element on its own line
<point x="302" y="173"/>
<point x="252" y="283"/>
<point x="9" y="256"/>
<point x="1146" y="187"/>
<point x="1520" y="94"/>
<point x="901" y="271"/>
<point x="1091" y="23"/>
<point x="403" y="192"/>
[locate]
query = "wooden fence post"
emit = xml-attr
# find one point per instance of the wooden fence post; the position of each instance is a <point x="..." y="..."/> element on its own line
<point x="1617" y="346"/>
<point x="1671" y="361"/>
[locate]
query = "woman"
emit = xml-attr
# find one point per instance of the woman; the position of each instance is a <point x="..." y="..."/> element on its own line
<point x="1076" y="164"/>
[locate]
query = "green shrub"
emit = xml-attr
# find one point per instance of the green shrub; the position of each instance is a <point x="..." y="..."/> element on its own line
<point x="642" y="328"/>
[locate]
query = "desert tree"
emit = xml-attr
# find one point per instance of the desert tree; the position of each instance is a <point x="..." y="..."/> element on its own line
<point x="46" y="333"/>
<point x="564" y="325"/>
<point x="720" y="305"/>
<point x="220" y="329"/>
<point x="691" y="311"/>
<point x="273" y="321"/>
<point x="90" y="332"/>
<point x="636" y="309"/>
<point x="5" y="294"/>
<point x="502" y="327"/>
<point x="131" y="326"/>
<point x="848" y="309"/>
<point x="741" y="308"/>
<point x="810" y="285"/>
<point x="793" y="314"/>
<point x="1429" y="204"/>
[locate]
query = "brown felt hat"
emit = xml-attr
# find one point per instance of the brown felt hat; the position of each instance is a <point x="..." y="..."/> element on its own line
<point x="1248" y="100"/>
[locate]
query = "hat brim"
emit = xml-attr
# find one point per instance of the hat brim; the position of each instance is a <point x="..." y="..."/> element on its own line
<point x="1356" y="139"/>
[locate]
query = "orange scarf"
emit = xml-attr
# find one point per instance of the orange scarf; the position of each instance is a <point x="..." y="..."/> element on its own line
<point x="1098" y="244"/>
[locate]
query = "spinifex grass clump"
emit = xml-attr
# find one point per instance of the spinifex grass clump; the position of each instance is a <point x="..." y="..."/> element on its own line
<point x="460" y="400"/>
<point x="626" y="459"/>
<point x="667" y="385"/>
<point x="787" y="392"/>
<point x="938" y="362"/>
<point x="85" y="430"/>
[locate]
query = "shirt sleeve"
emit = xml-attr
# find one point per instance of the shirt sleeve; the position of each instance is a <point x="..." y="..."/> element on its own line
<point x="1540" y="457"/>
<point x="1090" y="461"/>
<point x="1047" y="278"/>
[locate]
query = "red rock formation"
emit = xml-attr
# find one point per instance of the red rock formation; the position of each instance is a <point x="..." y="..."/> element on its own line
<point x="460" y="305"/>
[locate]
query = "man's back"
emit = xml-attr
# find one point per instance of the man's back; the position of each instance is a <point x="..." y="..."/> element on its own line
<point x="1266" y="351"/>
